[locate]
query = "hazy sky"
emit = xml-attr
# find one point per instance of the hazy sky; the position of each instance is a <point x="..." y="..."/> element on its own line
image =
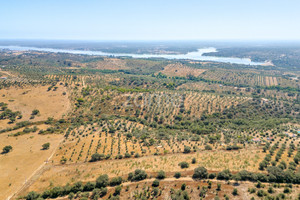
<point x="150" y="19"/>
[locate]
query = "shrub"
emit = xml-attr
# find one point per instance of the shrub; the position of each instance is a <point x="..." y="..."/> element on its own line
<point x="127" y="155"/>
<point x="102" y="181"/>
<point x="251" y="190"/>
<point x="212" y="176"/>
<point x="118" y="190"/>
<point x="286" y="190"/>
<point x="208" y="147"/>
<point x="193" y="160"/>
<point x="138" y="175"/>
<point x="97" y="157"/>
<point x="183" y="186"/>
<point x="200" y="173"/>
<point x="89" y="186"/>
<point x="177" y="175"/>
<point x="261" y="193"/>
<point x="235" y="192"/>
<point x="161" y="175"/>
<point x="183" y="164"/>
<point x="99" y="192"/>
<point x="77" y="187"/>
<point x="270" y="190"/>
<point x="155" y="183"/>
<point x="116" y="181"/>
<point x="46" y="146"/>
<point x="32" y="196"/>
<point x="155" y="191"/>
<point x="224" y="175"/>
<point x="35" y="112"/>
<point x="187" y="149"/>
<point x="7" y="149"/>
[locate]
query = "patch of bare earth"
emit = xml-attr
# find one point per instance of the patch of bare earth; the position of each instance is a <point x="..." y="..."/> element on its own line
<point x="179" y="69"/>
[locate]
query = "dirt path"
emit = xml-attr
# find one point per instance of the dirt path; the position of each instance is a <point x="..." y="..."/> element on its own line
<point x="35" y="175"/>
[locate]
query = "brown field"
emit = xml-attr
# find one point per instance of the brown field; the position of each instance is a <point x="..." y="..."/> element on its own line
<point x="49" y="103"/>
<point x="109" y="63"/>
<point x="214" y="160"/>
<point x="271" y="81"/>
<point x="179" y="69"/>
<point x="25" y="158"/>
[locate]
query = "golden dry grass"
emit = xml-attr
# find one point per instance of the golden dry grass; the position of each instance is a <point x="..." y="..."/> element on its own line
<point x="26" y="156"/>
<point x="179" y="69"/>
<point x="49" y="103"/>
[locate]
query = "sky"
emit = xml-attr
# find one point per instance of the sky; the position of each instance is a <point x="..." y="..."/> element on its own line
<point x="150" y="19"/>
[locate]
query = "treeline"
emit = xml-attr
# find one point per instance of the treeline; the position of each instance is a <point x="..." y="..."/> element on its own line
<point x="99" y="187"/>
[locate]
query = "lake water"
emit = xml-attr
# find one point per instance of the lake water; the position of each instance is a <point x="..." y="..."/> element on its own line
<point x="197" y="55"/>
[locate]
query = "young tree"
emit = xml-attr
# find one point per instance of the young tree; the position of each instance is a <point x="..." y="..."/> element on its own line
<point x="184" y="164"/>
<point x="7" y="149"/>
<point x="102" y="181"/>
<point x="177" y="175"/>
<point x="161" y="175"/>
<point x="200" y="173"/>
<point x="187" y="149"/>
<point x="46" y="146"/>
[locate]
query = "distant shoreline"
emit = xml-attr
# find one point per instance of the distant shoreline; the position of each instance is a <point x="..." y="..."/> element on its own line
<point x="195" y="55"/>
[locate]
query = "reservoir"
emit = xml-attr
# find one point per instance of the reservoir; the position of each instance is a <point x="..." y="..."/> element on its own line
<point x="196" y="55"/>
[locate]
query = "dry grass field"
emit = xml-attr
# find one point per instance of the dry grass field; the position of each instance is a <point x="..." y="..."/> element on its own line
<point x="49" y="103"/>
<point x="213" y="160"/>
<point x="26" y="157"/>
<point x="179" y="69"/>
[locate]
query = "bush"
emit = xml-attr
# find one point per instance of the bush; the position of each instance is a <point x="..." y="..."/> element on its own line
<point x="200" y="173"/>
<point x="212" y="176"/>
<point x="77" y="187"/>
<point x="32" y="196"/>
<point x="35" y="112"/>
<point x="184" y="164"/>
<point x="89" y="186"/>
<point x="261" y="193"/>
<point x="138" y="175"/>
<point x="235" y="192"/>
<point x="161" y="175"/>
<point x="155" y="183"/>
<point x="177" y="175"/>
<point x="155" y="191"/>
<point x="208" y="147"/>
<point x="115" y="181"/>
<point x="102" y="181"/>
<point x="46" y="146"/>
<point x="194" y="161"/>
<point x="270" y="190"/>
<point x="127" y="155"/>
<point x="224" y="175"/>
<point x="183" y="186"/>
<point x="187" y="149"/>
<point x="286" y="190"/>
<point x="97" y="157"/>
<point x="117" y="190"/>
<point x="7" y="149"/>
<point x="99" y="192"/>
<point x="251" y="190"/>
